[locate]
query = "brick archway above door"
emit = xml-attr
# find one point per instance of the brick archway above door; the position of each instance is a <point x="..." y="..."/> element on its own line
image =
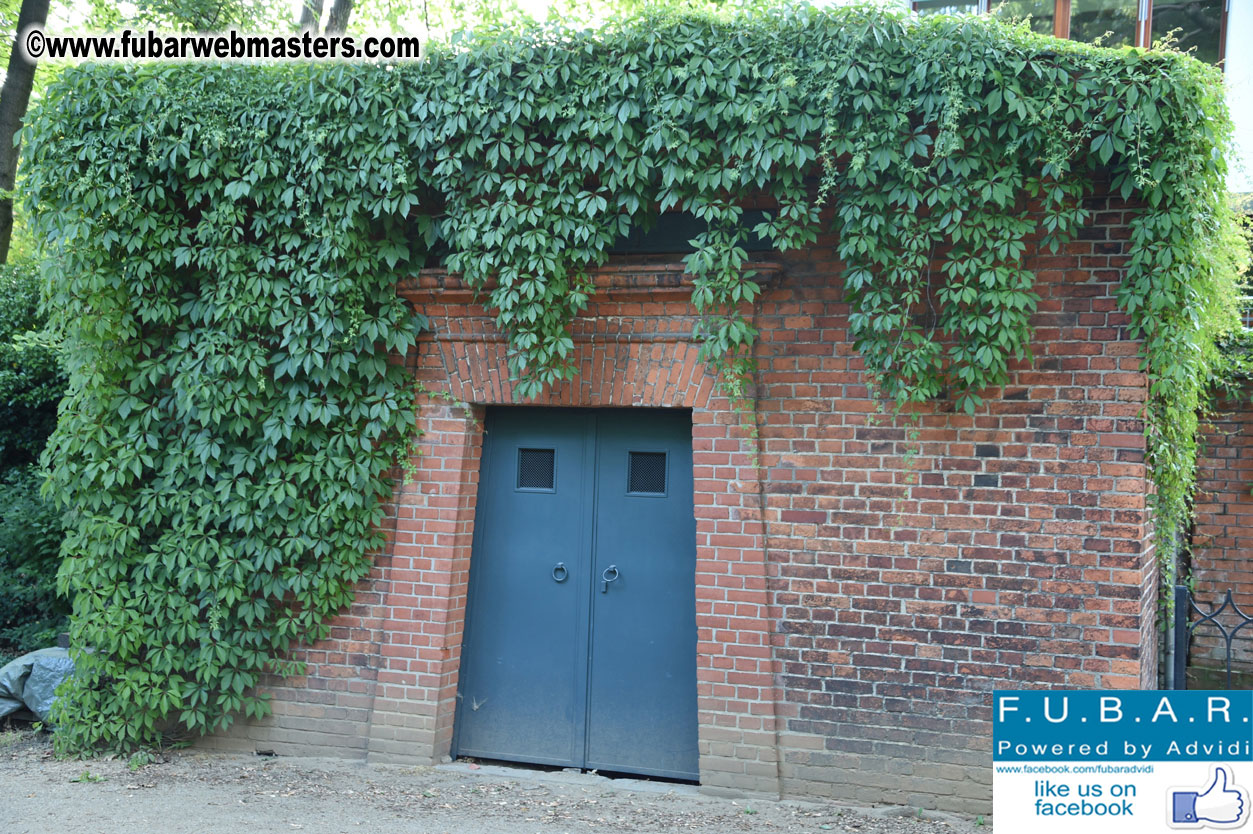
<point x="633" y="346"/>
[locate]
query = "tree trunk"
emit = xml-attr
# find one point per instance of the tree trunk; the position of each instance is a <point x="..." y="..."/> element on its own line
<point x="337" y="23"/>
<point x="310" y="15"/>
<point x="14" y="97"/>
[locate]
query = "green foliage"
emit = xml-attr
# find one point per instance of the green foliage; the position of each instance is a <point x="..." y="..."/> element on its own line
<point x="225" y="240"/>
<point x="88" y="776"/>
<point x="31" y="380"/>
<point x="193" y="15"/>
<point x="225" y="280"/>
<point x="31" y="613"/>
<point x="31" y="384"/>
<point x="1235" y="367"/>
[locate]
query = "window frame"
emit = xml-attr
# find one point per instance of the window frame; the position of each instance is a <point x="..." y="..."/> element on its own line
<point x="982" y="6"/>
<point x="1144" y="22"/>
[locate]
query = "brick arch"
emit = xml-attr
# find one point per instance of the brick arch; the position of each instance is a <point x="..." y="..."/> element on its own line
<point x="618" y="374"/>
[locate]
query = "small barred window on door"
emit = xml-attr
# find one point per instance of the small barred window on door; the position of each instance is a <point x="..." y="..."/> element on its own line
<point x="536" y="468"/>
<point x="646" y="473"/>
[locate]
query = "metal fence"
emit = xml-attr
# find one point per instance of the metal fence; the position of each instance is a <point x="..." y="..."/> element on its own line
<point x="1227" y="621"/>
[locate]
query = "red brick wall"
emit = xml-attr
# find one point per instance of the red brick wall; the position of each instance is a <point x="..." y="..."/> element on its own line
<point x="1020" y="557"/>
<point x="1222" y="539"/>
<point x="854" y="612"/>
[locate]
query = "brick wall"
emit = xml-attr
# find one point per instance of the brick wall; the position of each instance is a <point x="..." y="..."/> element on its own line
<point x="1019" y="556"/>
<point x="1222" y="541"/>
<point x="857" y="602"/>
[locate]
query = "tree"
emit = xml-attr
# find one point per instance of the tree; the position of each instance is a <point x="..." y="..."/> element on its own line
<point x="209" y="15"/>
<point x="337" y="23"/>
<point x="14" y="98"/>
<point x="310" y="14"/>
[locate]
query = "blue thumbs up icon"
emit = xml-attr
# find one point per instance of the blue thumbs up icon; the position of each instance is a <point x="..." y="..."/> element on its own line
<point x="1221" y="805"/>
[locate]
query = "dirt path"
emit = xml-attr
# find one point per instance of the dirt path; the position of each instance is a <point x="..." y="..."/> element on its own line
<point x="202" y="792"/>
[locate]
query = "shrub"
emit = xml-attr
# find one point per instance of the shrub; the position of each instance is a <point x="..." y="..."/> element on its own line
<point x="31" y="613"/>
<point x="31" y="379"/>
<point x="31" y="385"/>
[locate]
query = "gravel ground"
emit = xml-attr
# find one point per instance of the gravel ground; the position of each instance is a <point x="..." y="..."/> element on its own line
<point x="195" y="791"/>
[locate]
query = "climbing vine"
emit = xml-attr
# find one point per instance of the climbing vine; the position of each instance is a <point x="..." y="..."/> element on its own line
<point x="222" y="244"/>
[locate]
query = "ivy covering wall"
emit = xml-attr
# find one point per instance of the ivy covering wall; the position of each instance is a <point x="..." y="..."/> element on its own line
<point x="222" y="243"/>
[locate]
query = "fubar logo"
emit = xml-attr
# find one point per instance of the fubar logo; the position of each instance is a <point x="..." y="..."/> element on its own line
<point x="1122" y="763"/>
<point x="1109" y="709"/>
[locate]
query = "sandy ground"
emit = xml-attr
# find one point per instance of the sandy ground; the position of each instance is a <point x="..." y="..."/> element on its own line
<point x="206" y="792"/>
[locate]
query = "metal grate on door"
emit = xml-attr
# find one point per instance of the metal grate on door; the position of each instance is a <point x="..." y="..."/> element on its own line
<point x="646" y="473"/>
<point x="536" y="468"/>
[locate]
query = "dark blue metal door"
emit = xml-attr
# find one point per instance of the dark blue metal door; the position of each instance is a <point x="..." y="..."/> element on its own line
<point x="580" y="646"/>
<point x="642" y="686"/>
<point x="522" y="692"/>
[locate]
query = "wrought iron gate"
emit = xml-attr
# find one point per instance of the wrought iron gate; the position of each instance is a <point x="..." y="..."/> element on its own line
<point x="1227" y="619"/>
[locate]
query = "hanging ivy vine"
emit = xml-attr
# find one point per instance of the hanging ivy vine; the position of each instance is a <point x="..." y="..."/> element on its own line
<point x="222" y="244"/>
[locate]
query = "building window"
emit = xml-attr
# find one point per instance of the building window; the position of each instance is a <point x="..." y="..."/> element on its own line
<point x="1112" y="21"/>
<point x="948" y="7"/>
<point x="1042" y="14"/>
<point x="1199" y="25"/>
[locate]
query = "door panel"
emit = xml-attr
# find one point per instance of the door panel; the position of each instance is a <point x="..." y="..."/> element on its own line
<point x="597" y="670"/>
<point x="523" y="682"/>
<point x="642" y="690"/>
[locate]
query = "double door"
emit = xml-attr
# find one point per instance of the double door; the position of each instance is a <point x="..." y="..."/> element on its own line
<point x="580" y="645"/>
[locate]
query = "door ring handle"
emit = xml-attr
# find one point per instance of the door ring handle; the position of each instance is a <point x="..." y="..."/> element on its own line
<point x="606" y="578"/>
<point x="560" y="574"/>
